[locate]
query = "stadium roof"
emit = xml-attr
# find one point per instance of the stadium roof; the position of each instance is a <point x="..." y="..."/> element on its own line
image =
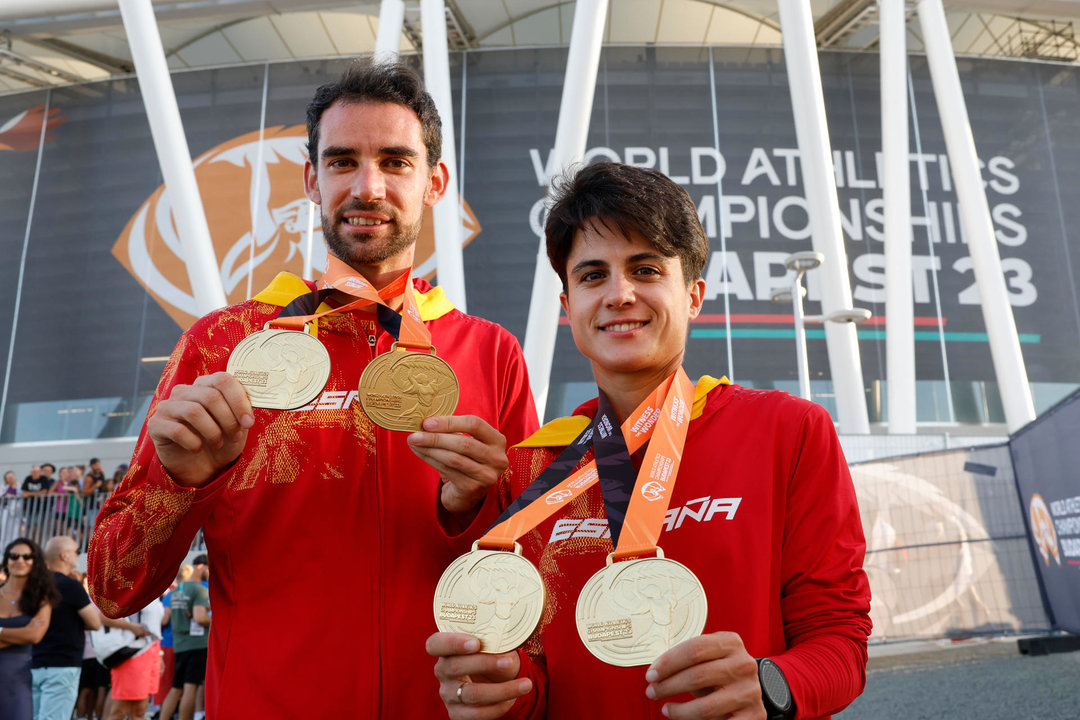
<point x="55" y="42"/>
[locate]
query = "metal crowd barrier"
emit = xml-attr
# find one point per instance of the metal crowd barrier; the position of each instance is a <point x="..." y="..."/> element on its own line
<point x="41" y="517"/>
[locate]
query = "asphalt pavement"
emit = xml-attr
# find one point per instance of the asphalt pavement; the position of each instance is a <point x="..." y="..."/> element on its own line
<point x="978" y="679"/>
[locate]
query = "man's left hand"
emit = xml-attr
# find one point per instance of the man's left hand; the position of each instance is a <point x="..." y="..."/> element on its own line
<point x="469" y="454"/>
<point x="717" y="670"/>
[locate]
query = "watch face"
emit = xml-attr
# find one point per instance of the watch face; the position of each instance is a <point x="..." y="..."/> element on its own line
<point x="774" y="687"/>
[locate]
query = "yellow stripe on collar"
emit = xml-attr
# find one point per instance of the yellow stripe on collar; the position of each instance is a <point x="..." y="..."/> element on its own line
<point x="283" y="289"/>
<point x="286" y="287"/>
<point x="433" y="304"/>
<point x="560" y="432"/>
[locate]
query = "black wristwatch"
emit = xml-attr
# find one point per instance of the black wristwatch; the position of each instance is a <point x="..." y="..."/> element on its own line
<point x="775" y="693"/>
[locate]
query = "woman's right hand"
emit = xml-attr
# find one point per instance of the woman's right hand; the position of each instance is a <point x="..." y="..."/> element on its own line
<point x="475" y="685"/>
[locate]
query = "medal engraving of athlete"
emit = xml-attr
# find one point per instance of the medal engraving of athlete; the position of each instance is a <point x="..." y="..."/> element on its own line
<point x="640" y="604"/>
<point x="281" y="369"/>
<point x="398" y="389"/>
<point x="496" y="595"/>
<point x="559" y="485"/>
<point x="633" y="611"/>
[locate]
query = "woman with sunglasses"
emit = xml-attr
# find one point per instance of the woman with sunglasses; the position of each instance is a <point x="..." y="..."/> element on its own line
<point x="26" y="601"/>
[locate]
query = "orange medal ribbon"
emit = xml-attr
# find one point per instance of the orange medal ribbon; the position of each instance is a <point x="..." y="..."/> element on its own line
<point x="661" y="420"/>
<point x="659" y="469"/>
<point x="339" y="276"/>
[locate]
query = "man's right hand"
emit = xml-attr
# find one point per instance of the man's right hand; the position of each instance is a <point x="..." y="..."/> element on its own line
<point x="201" y="428"/>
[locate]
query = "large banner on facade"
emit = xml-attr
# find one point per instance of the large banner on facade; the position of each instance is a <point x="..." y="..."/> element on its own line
<point x="1047" y="461"/>
<point x="730" y="141"/>
<point x="95" y="292"/>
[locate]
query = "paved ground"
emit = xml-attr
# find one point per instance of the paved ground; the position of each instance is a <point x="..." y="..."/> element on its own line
<point x="970" y="680"/>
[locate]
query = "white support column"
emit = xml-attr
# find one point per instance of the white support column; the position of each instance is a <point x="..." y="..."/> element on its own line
<point x="447" y="212"/>
<point x="171" y="145"/>
<point x="896" y="181"/>
<point x="388" y="38"/>
<point x="808" y="105"/>
<point x="571" y="134"/>
<point x="975" y="218"/>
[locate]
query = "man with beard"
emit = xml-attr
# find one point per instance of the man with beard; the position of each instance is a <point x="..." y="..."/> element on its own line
<point x="354" y="512"/>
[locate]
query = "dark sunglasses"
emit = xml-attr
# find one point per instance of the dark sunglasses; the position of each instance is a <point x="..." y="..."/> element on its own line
<point x="18" y="556"/>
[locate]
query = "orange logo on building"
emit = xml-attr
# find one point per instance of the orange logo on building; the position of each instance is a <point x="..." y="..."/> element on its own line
<point x="258" y="216"/>
<point x="1042" y="528"/>
<point x="22" y="133"/>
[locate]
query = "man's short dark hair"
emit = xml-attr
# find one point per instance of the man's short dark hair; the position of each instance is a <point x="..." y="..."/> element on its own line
<point x="94" y="461"/>
<point x="630" y="200"/>
<point x="199" y="560"/>
<point x="49" y="465"/>
<point x="369" y="81"/>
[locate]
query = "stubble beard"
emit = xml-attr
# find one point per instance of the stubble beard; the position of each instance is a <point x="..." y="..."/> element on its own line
<point x="361" y="252"/>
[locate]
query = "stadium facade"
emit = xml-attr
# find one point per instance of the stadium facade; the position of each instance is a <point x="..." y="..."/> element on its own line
<point x="94" y="291"/>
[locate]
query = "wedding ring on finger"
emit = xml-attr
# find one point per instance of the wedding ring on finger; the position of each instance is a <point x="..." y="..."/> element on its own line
<point x="459" y="689"/>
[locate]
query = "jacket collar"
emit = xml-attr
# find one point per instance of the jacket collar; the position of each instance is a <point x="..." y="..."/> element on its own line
<point x="560" y="432"/>
<point x="286" y="287"/>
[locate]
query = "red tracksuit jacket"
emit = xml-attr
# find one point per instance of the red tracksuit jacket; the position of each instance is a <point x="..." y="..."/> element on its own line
<point x="763" y="512"/>
<point x="323" y="539"/>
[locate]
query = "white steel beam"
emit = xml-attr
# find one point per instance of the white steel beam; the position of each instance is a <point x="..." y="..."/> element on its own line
<point x="18" y="9"/>
<point x="1005" y="352"/>
<point x="11" y="10"/>
<point x="447" y="213"/>
<point x="896" y="184"/>
<point x="167" y="130"/>
<point x="571" y="135"/>
<point x="388" y="37"/>
<point x="819" y="182"/>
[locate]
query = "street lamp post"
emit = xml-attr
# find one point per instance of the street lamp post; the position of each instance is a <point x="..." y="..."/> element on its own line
<point x="800" y="263"/>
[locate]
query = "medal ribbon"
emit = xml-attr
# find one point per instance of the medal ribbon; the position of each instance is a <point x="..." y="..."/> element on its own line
<point x="407" y="327"/>
<point x="527" y="511"/>
<point x="659" y="469"/>
<point x="613" y="462"/>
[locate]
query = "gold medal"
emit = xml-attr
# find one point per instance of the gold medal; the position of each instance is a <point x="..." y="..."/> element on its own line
<point x="497" y="596"/>
<point x="281" y="369"/>
<point x="633" y="611"/>
<point x="400" y="388"/>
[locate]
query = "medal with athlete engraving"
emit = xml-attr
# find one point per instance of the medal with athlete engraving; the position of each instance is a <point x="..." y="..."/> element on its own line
<point x="398" y="389"/>
<point x="633" y="611"/>
<point x="665" y="410"/>
<point x="496" y="595"/>
<point x="281" y="369"/>
<point x="640" y="604"/>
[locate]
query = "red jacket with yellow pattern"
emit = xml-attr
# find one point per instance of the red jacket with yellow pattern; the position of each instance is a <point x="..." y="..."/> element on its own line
<point x="323" y="538"/>
<point x="763" y="512"/>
